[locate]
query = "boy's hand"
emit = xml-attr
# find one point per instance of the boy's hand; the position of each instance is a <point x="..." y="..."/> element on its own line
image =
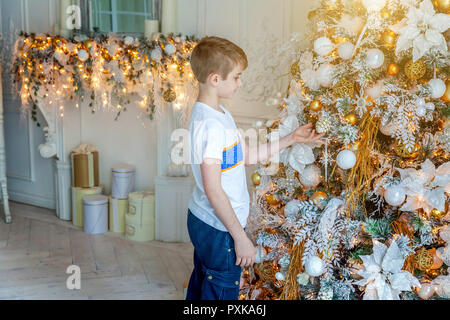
<point x="304" y="134"/>
<point x="245" y="251"/>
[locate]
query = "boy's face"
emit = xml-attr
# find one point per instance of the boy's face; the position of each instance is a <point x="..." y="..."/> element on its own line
<point x="226" y="88"/>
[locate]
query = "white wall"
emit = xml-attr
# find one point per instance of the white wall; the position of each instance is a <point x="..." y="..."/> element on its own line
<point x="247" y="22"/>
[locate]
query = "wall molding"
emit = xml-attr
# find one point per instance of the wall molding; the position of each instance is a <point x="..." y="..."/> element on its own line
<point x="33" y="199"/>
<point x="9" y="103"/>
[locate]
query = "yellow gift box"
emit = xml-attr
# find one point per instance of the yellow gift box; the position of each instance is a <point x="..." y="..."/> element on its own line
<point x="77" y="202"/>
<point x="117" y="210"/>
<point x="85" y="173"/>
<point x="140" y="219"/>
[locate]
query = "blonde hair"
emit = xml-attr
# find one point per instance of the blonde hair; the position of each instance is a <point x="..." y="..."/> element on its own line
<point x="216" y="55"/>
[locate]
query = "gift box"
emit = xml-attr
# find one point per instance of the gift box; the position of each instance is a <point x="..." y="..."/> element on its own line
<point x="95" y="214"/>
<point x="123" y="180"/>
<point x="117" y="210"/>
<point x="140" y="219"/>
<point x="77" y="202"/>
<point x="84" y="160"/>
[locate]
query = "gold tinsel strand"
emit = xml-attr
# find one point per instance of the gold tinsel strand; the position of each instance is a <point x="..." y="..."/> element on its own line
<point x="400" y="227"/>
<point x="291" y="290"/>
<point x="359" y="177"/>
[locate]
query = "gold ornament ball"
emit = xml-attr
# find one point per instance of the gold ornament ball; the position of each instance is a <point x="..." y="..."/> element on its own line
<point x="423" y="259"/>
<point x="343" y="88"/>
<point x="169" y="95"/>
<point x="388" y="38"/>
<point x="317" y="198"/>
<point x="402" y="151"/>
<point x="442" y="6"/>
<point x="315" y="105"/>
<point x="256" y="178"/>
<point x="351" y="118"/>
<point x="437" y="214"/>
<point x="393" y="69"/>
<point x="295" y="69"/>
<point x="415" y="70"/>
<point x="446" y="96"/>
<point x="272" y="199"/>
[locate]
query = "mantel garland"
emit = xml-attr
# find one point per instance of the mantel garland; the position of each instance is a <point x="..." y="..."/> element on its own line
<point x="109" y="70"/>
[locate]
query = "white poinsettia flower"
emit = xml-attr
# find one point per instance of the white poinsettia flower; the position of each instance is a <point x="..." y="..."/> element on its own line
<point x="383" y="275"/>
<point x="422" y="30"/>
<point x="308" y="74"/>
<point x="299" y="156"/>
<point x="426" y="188"/>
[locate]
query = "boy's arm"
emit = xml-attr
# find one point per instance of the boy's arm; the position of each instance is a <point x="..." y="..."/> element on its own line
<point x="303" y="134"/>
<point x="211" y="177"/>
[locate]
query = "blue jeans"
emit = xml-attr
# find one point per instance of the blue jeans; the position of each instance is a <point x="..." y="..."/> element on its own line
<point x="215" y="275"/>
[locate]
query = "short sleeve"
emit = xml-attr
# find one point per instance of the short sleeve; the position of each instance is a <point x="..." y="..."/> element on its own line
<point x="209" y="140"/>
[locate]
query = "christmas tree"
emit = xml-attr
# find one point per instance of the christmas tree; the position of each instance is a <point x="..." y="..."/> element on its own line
<point x="365" y="216"/>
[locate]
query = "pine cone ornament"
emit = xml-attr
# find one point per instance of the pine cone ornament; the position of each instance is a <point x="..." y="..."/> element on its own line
<point x="325" y="294"/>
<point x="323" y="124"/>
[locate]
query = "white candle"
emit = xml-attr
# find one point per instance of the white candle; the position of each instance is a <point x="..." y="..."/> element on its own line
<point x="169" y="16"/>
<point x="151" y="26"/>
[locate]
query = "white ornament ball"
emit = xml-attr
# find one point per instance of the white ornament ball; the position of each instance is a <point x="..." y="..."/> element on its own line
<point x="375" y="58"/>
<point x="310" y="176"/>
<point x="437" y="87"/>
<point x="83" y="55"/>
<point x="325" y="75"/>
<point x="279" y="276"/>
<point x="420" y="102"/>
<point x="128" y="40"/>
<point x="376" y="90"/>
<point x="170" y="49"/>
<point x="394" y="195"/>
<point x="430" y="106"/>
<point x="345" y="50"/>
<point x="421" y="111"/>
<point x="346" y="159"/>
<point x="156" y="54"/>
<point x="374" y="5"/>
<point x="292" y="208"/>
<point x="323" y="46"/>
<point x="426" y="291"/>
<point x="314" y="266"/>
<point x="260" y="254"/>
<point x="388" y="129"/>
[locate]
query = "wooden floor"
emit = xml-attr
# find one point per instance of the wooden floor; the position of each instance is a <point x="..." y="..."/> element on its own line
<point x="37" y="247"/>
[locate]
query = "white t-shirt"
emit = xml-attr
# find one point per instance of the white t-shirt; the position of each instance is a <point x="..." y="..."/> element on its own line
<point x="213" y="134"/>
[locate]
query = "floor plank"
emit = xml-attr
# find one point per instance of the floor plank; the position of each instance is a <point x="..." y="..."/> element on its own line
<point x="37" y="247"/>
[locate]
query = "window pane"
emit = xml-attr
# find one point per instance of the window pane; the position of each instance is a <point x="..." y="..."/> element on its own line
<point x="102" y="21"/>
<point x="130" y="23"/>
<point x="131" y="5"/>
<point x="103" y="5"/>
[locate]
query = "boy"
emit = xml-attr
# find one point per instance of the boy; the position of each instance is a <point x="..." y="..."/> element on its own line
<point x="219" y="205"/>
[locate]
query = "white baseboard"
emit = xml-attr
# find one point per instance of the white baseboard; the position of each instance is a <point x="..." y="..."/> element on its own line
<point x="35" y="200"/>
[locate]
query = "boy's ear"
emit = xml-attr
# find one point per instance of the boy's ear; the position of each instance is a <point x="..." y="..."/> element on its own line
<point x="213" y="78"/>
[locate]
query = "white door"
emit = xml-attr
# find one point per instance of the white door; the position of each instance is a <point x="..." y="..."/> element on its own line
<point x="30" y="177"/>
